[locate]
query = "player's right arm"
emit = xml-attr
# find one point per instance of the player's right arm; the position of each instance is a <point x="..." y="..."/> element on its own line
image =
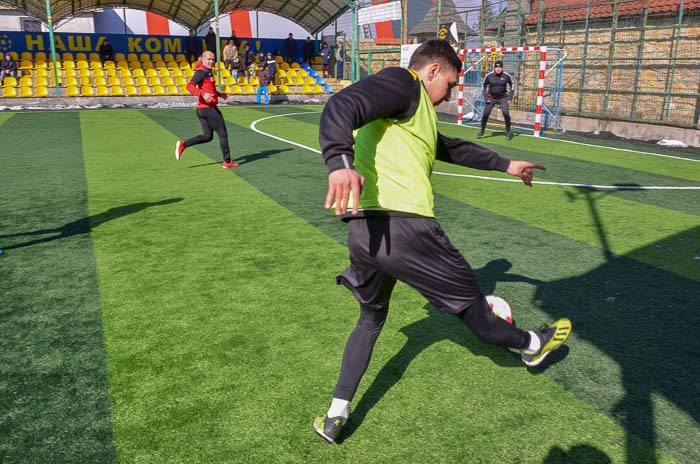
<point x="194" y="86"/>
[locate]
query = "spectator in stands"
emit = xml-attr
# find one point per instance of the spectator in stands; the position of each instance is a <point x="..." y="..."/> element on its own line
<point x="326" y="53"/>
<point x="236" y="42"/>
<point x="339" y="58"/>
<point x="238" y="68"/>
<point x="230" y="54"/>
<point x="203" y="87"/>
<point x="260" y="60"/>
<point x="308" y="50"/>
<point x="8" y="68"/>
<point x="497" y="83"/>
<point x="210" y="40"/>
<point x="193" y="47"/>
<point x="106" y="51"/>
<point x="290" y="48"/>
<point x="248" y="60"/>
<point x="271" y="66"/>
<point x="265" y="80"/>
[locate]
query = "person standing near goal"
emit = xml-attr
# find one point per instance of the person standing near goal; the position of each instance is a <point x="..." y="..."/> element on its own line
<point x="379" y="182"/>
<point x="496" y="92"/>
<point x="203" y="86"/>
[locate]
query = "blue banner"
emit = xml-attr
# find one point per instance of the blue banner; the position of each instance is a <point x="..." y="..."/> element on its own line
<point x="87" y="43"/>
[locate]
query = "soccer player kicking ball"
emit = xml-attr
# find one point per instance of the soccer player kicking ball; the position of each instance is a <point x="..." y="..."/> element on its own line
<point x="203" y="87"/>
<point x="383" y="176"/>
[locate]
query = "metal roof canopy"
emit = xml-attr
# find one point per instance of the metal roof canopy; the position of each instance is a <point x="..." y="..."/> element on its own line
<point x="312" y="15"/>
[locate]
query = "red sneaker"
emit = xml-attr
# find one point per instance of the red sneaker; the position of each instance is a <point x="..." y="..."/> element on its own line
<point x="231" y="164"/>
<point x="179" y="148"/>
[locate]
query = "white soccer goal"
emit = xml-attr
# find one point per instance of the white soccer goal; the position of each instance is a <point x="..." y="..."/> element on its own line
<point x="535" y="103"/>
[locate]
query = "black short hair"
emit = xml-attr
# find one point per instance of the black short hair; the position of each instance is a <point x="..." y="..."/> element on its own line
<point x="432" y="51"/>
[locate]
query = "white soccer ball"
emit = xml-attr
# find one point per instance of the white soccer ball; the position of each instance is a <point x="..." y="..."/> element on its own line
<point x="469" y="116"/>
<point x="500" y="308"/>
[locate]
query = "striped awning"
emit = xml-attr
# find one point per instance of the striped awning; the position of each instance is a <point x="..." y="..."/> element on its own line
<point x="313" y="15"/>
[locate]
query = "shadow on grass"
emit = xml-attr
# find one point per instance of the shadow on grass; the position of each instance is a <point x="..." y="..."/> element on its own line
<point x="83" y="225"/>
<point x="260" y="155"/>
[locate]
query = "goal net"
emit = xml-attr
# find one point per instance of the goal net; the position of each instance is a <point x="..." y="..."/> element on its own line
<point x="537" y="73"/>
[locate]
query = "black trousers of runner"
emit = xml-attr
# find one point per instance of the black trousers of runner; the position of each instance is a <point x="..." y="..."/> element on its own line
<point x="211" y="120"/>
<point x="417" y="252"/>
<point x="505" y="108"/>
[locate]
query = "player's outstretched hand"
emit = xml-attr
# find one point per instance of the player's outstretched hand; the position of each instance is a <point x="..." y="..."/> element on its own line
<point x="523" y="169"/>
<point x="340" y="184"/>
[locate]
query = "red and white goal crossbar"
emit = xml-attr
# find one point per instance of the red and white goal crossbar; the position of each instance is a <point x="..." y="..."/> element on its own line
<point x="540" y="80"/>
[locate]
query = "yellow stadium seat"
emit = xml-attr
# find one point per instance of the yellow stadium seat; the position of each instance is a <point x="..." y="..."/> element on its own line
<point x="173" y="65"/>
<point x="168" y="57"/>
<point x="144" y="57"/>
<point x="109" y="65"/>
<point x="241" y="80"/>
<point x="302" y="73"/>
<point x="101" y="91"/>
<point x="284" y="89"/>
<point x="40" y="64"/>
<point x="81" y="57"/>
<point x="10" y="82"/>
<point x="82" y="64"/>
<point x="166" y="81"/>
<point x="95" y="65"/>
<point x="154" y="81"/>
<point x="185" y="65"/>
<point x="87" y="91"/>
<point x="101" y="81"/>
<point x="110" y="72"/>
<point x="294" y="65"/>
<point x="122" y="65"/>
<point x="25" y="92"/>
<point x="184" y="91"/>
<point x="40" y="56"/>
<point x="272" y="88"/>
<point x="248" y="90"/>
<point x="236" y="90"/>
<point x="127" y="81"/>
<point x="284" y="66"/>
<point x="27" y="56"/>
<point x="139" y="81"/>
<point x="70" y="73"/>
<point x="9" y="92"/>
<point x="124" y="73"/>
<point x="117" y="91"/>
<point x="156" y="57"/>
<point x="39" y="82"/>
<point x="172" y="90"/>
<point x="84" y="80"/>
<point x="132" y="57"/>
<point x="188" y="73"/>
<point x="67" y="56"/>
<point x="318" y="88"/>
<point x="26" y="82"/>
<point x="145" y="90"/>
<point x="84" y="72"/>
<point x="26" y="64"/>
<point x="147" y="65"/>
<point x="180" y="57"/>
<point x="114" y="81"/>
<point x="98" y="73"/>
<point x="71" y="82"/>
<point x="135" y="65"/>
<point x="14" y="56"/>
<point x="138" y="73"/>
<point x="131" y="91"/>
<point x="279" y="59"/>
<point x="180" y="81"/>
<point x="119" y="57"/>
<point x="41" y="92"/>
<point x="151" y="72"/>
<point x="68" y="64"/>
<point x="254" y="81"/>
<point x="94" y="56"/>
<point x="72" y="91"/>
<point x="309" y="80"/>
<point x="41" y="72"/>
<point x="158" y="90"/>
<point x="176" y="72"/>
<point x="163" y="72"/>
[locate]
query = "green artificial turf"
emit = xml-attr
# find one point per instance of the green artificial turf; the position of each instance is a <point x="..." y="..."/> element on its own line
<point x="222" y="328"/>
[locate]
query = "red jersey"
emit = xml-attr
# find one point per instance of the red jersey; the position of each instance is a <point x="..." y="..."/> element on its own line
<point x="203" y="82"/>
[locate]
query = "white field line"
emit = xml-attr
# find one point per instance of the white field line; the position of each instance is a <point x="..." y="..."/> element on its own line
<point x="253" y="127"/>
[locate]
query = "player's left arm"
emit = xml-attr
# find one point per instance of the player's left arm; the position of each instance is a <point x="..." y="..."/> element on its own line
<point x="464" y="153"/>
<point x="511" y="82"/>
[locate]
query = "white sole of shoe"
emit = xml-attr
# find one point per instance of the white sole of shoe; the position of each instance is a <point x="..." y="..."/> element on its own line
<point x="321" y="434"/>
